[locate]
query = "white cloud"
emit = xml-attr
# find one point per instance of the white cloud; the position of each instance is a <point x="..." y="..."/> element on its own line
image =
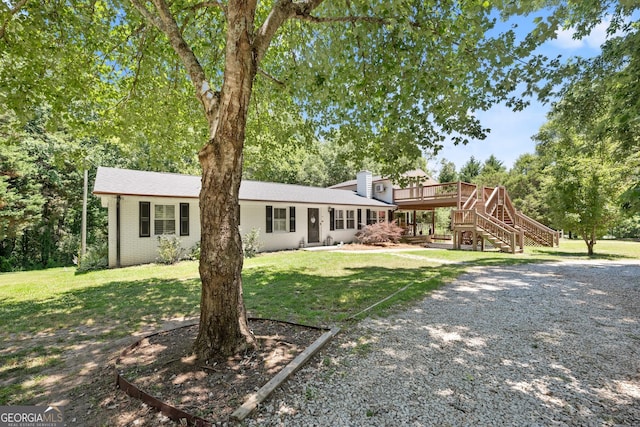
<point x="564" y="38"/>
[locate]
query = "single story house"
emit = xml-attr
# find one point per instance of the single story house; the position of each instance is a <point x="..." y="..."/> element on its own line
<point x="144" y="205"/>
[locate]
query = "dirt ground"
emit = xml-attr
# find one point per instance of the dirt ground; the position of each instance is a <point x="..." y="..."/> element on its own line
<point x="85" y="382"/>
<point x="163" y="367"/>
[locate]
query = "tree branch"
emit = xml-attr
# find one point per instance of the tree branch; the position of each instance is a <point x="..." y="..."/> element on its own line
<point x="165" y="22"/>
<point x="205" y="4"/>
<point x="12" y="12"/>
<point x="270" y="77"/>
<point x="282" y="10"/>
<point x="350" y="19"/>
<point x="146" y="13"/>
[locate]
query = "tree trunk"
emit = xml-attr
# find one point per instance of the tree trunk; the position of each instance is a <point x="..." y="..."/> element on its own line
<point x="590" y="240"/>
<point x="223" y="324"/>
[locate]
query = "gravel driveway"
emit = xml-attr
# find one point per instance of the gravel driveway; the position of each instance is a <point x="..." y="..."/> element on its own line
<point x="529" y="345"/>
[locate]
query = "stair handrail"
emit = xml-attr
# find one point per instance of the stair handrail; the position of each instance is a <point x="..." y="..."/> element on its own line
<point x="471" y="201"/>
<point x="533" y="227"/>
<point x="499" y="230"/>
<point x="491" y="201"/>
<point x="549" y="235"/>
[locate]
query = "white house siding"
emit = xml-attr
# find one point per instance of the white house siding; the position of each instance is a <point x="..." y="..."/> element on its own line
<point x="140" y="250"/>
<point x="386" y="195"/>
<point x="253" y="215"/>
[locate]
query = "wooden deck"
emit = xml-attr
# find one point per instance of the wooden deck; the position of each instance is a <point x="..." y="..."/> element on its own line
<point x="480" y="214"/>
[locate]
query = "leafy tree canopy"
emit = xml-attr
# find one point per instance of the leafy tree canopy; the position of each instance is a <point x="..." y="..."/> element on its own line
<point x="448" y="171"/>
<point x="383" y="78"/>
<point x="470" y="170"/>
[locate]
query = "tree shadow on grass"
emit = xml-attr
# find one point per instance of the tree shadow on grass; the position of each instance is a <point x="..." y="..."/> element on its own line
<point x="51" y="346"/>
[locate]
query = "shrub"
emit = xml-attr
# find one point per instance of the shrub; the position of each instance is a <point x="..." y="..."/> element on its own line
<point x="251" y="244"/>
<point x="169" y="249"/>
<point x="96" y="258"/>
<point x="194" y="252"/>
<point x="379" y="234"/>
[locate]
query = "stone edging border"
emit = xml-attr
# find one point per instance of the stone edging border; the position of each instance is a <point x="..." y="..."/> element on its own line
<point x="249" y="405"/>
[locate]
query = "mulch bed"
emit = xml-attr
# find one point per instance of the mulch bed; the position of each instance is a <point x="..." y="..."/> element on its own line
<point x="163" y="366"/>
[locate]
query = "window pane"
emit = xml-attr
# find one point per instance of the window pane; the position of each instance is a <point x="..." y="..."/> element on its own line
<point x="339" y="220"/>
<point x="351" y="219"/>
<point x="165" y="219"/>
<point x="279" y="219"/>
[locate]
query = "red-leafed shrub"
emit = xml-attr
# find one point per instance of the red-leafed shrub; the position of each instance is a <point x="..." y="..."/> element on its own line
<point x="379" y="234"/>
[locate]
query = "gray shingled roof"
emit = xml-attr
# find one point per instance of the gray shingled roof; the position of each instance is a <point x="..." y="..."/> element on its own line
<point x="160" y="184"/>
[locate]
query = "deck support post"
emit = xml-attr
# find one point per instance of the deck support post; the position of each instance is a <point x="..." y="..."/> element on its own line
<point x="415" y="224"/>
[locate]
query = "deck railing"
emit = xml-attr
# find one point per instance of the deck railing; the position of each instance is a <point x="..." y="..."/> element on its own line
<point x="537" y="232"/>
<point x="492" y="204"/>
<point x="448" y="190"/>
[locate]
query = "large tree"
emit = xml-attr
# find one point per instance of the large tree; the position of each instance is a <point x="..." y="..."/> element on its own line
<point x="584" y="181"/>
<point x="388" y="78"/>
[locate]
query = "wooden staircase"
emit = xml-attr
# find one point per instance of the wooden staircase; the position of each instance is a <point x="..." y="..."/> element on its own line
<point x="489" y="216"/>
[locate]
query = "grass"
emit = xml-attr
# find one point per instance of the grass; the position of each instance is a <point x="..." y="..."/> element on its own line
<point x="46" y="313"/>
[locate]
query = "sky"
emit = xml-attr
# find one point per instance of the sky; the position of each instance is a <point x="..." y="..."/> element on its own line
<point x="511" y="132"/>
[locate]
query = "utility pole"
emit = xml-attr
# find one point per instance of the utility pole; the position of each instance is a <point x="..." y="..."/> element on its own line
<point x="83" y="244"/>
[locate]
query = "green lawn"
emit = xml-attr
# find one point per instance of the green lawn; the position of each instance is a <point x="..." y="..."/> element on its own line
<point x="48" y="313"/>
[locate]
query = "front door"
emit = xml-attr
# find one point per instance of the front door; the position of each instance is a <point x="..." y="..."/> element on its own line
<point x="313" y="225"/>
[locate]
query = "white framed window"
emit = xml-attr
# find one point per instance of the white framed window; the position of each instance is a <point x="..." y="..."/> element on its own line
<point x="339" y="220"/>
<point x="382" y="216"/>
<point x="351" y="220"/>
<point x="279" y="219"/>
<point x="165" y="219"/>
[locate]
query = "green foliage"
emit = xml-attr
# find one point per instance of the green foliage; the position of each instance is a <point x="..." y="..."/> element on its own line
<point x="169" y="249"/>
<point x="41" y="170"/>
<point x="251" y="243"/>
<point x="585" y="182"/>
<point x="601" y="96"/>
<point x="96" y="258"/>
<point x="470" y="170"/>
<point x="194" y="252"/>
<point x="525" y="183"/>
<point x="492" y="173"/>
<point x="20" y="198"/>
<point x="447" y="171"/>
<point x="627" y="228"/>
<point x="400" y="81"/>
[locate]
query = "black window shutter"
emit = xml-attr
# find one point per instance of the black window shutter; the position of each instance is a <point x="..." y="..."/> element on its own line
<point x="368" y="216"/>
<point x="292" y="219"/>
<point x="359" y="219"/>
<point x="145" y="219"/>
<point x="184" y="219"/>
<point x="269" y="219"/>
<point x="332" y="217"/>
<point x="390" y="216"/>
